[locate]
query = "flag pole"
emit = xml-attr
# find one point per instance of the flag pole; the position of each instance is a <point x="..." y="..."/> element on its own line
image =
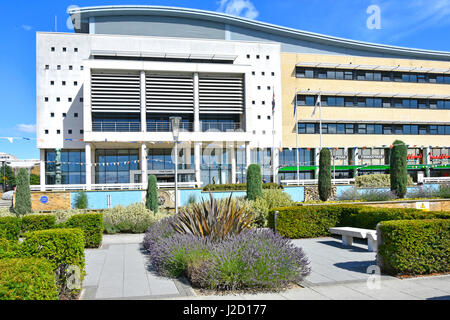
<point x="274" y="169"/>
<point x="320" y="116"/>
<point x="296" y="135"/>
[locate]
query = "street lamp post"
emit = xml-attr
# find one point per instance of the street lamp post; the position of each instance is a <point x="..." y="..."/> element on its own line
<point x="176" y="132"/>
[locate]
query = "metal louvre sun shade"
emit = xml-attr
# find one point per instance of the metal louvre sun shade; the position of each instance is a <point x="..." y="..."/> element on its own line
<point x="115" y="92"/>
<point x="170" y="94"/>
<point x="221" y="94"/>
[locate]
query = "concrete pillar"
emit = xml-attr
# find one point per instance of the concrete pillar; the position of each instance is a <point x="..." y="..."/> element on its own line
<point x="42" y="169"/>
<point x="232" y="149"/>
<point x="143" y="103"/>
<point x="316" y="162"/>
<point x="248" y="154"/>
<point x="275" y="163"/>
<point x="144" y="165"/>
<point x="88" y="155"/>
<point x="427" y="154"/>
<point x="196" y="103"/>
<point x="198" y="162"/>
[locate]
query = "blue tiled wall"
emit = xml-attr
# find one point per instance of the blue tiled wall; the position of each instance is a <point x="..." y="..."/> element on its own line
<point x="98" y="199"/>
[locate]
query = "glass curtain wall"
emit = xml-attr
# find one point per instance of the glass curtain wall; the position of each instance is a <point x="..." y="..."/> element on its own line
<point x="115" y="166"/>
<point x="73" y="169"/>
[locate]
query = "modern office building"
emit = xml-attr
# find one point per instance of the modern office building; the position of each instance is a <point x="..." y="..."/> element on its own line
<point x="106" y="93"/>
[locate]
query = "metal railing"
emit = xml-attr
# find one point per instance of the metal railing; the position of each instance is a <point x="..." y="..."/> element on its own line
<point x="116" y="126"/>
<point x="221" y="126"/>
<point x="106" y="187"/>
<point x="166" y="126"/>
<point x="316" y="181"/>
<point x="437" y="180"/>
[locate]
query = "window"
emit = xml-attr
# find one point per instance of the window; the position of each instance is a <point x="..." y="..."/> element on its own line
<point x="348" y="75"/>
<point x="253" y="102"/>
<point x="46" y="99"/>
<point x="46" y="131"/>
<point x="81" y="99"/>
<point x="263" y="73"/>
<point x="268" y="87"/>
<point x="58" y="67"/>
<point x="64" y="49"/>
<point x="75" y="49"/>
<point x="273" y="74"/>
<point x="52" y="83"/>
<point x="263" y="102"/>
<point x="69" y="99"/>
<point x="75" y="83"/>
<point x="58" y="131"/>
<point x="248" y="56"/>
<point x="253" y="73"/>
<point x="349" y="129"/>
<point x="259" y="87"/>
<point x="268" y="57"/>
<point x="257" y="56"/>
<point x="63" y="83"/>
<point x="70" y="67"/>
<point x="47" y="67"/>
<point x="70" y="131"/>
<point x="81" y="68"/>
<point x="64" y="115"/>
<point x="75" y="115"/>
<point x="52" y="114"/>
<point x="53" y="49"/>
<point x="58" y="99"/>
<point x="269" y="117"/>
<point x="259" y="117"/>
<point x="81" y="131"/>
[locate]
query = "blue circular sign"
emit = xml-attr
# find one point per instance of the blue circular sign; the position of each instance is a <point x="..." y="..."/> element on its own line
<point x="44" y="199"/>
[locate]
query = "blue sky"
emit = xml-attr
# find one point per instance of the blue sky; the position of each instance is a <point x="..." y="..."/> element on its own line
<point x="421" y="24"/>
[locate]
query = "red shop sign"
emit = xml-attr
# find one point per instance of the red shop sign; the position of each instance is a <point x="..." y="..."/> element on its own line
<point x="413" y="157"/>
<point x="442" y="157"/>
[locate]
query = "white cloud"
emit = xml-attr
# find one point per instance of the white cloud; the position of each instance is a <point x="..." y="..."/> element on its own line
<point x="26" y="27"/>
<point x="242" y="8"/>
<point x="28" y="128"/>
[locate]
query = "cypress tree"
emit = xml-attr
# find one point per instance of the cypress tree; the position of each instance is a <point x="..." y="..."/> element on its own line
<point x="399" y="169"/>
<point x="325" y="175"/>
<point x="254" y="182"/>
<point x="82" y="200"/>
<point x="23" y="194"/>
<point x="152" y="194"/>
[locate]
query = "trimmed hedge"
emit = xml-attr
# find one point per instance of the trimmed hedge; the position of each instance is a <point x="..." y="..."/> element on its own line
<point x="10" y="228"/>
<point x="38" y="222"/>
<point x="9" y="249"/>
<point x="414" y="247"/>
<point x="27" y="279"/>
<point x="63" y="248"/>
<point x="238" y="187"/>
<point x="315" y="221"/>
<point x="92" y="226"/>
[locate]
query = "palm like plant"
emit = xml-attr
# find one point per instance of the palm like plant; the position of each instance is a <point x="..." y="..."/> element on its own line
<point x="213" y="219"/>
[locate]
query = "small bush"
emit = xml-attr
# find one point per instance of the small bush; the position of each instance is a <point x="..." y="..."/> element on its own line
<point x="6" y="212"/>
<point x="82" y="201"/>
<point x="62" y="216"/>
<point x="271" y="199"/>
<point x="415" y="247"/>
<point x="23" y="193"/>
<point x="10" y="228"/>
<point x="372" y="195"/>
<point x="92" y="226"/>
<point x="38" y="222"/>
<point x="9" y="249"/>
<point x="135" y="218"/>
<point x="158" y="231"/>
<point x="27" y="279"/>
<point x="254" y="182"/>
<point x="444" y="191"/>
<point x="63" y="248"/>
<point x="377" y="181"/>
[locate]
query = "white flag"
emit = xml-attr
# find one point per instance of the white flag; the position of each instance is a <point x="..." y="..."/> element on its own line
<point x="318" y="104"/>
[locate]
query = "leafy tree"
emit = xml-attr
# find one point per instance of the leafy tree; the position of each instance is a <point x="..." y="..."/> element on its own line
<point x="152" y="194"/>
<point x="254" y="182"/>
<point x="399" y="169"/>
<point x="325" y="175"/>
<point x="8" y="173"/>
<point x="35" y="180"/>
<point x="82" y="201"/>
<point x="23" y="194"/>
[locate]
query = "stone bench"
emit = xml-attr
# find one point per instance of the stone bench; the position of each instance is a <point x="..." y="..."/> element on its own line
<point x="349" y="233"/>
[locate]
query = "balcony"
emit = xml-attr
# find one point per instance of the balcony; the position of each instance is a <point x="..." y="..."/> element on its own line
<point x="207" y="126"/>
<point x="166" y="126"/>
<point x="116" y="126"/>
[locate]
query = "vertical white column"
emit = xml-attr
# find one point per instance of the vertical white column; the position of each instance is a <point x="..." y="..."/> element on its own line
<point x="42" y="169"/>
<point x="248" y="155"/>
<point x="87" y="110"/>
<point x="144" y="165"/>
<point x="356" y="159"/>
<point x="197" y="159"/>
<point x="275" y="163"/>
<point x="196" y="103"/>
<point x="88" y="155"/>
<point x="232" y="155"/>
<point x="427" y="152"/>
<point x="316" y="162"/>
<point x="143" y="103"/>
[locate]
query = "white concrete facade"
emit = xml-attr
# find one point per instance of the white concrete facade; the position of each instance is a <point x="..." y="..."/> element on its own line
<point x="65" y="63"/>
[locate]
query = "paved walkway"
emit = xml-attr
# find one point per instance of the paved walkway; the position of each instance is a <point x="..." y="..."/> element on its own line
<point x="119" y="271"/>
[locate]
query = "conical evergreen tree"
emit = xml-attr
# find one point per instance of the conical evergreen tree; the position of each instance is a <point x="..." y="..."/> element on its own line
<point x="23" y="194"/>
<point x="152" y="194"/>
<point x="399" y="169"/>
<point x="254" y="182"/>
<point x="325" y="175"/>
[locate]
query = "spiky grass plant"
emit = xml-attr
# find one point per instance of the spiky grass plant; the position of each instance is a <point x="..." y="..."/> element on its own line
<point x="213" y="220"/>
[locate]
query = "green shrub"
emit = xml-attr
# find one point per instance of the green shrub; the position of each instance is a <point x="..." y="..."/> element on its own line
<point x="135" y="218"/>
<point x="325" y="187"/>
<point x="314" y="221"/>
<point x="444" y="191"/>
<point x="415" y="247"/>
<point x="27" y="279"/>
<point x="399" y="169"/>
<point x="10" y="228"/>
<point x="366" y="195"/>
<point x="271" y="199"/>
<point x="38" y="222"/>
<point x="62" y="216"/>
<point x="23" y="194"/>
<point x="254" y="182"/>
<point x="82" y="201"/>
<point x="92" y="226"/>
<point x="9" y="249"/>
<point x="152" y="202"/>
<point x="377" y="181"/>
<point x="63" y="248"/>
<point x="238" y="187"/>
<point x="6" y="212"/>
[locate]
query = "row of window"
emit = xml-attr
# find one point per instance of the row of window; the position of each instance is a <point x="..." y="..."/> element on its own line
<point x="70" y="131"/>
<point x="59" y="67"/>
<point x="391" y="129"/>
<point x="366" y="75"/>
<point x="58" y="99"/>
<point x="258" y="57"/>
<point x="263" y="73"/>
<point x="63" y="49"/>
<point x="63" y="83"/>
<point x="372" y="102"/>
